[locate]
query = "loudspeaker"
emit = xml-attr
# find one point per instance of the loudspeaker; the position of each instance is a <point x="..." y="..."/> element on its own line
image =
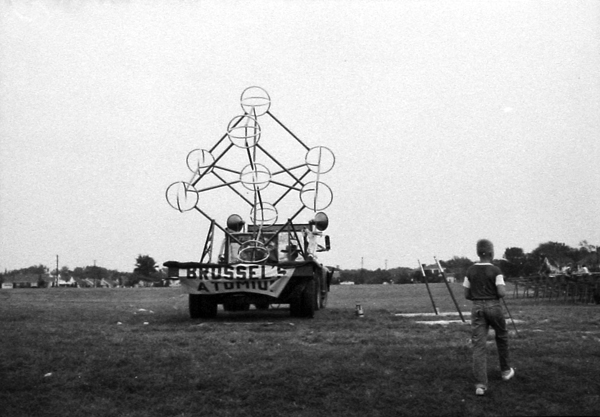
<point x="321" y="221"/>
<point x="235" y="223"/>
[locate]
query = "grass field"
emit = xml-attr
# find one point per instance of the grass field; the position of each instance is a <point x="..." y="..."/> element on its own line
<point x="135" y="352"/>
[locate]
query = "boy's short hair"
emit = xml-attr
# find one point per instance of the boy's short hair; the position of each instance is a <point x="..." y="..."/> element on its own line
<point x="485" y="248"/>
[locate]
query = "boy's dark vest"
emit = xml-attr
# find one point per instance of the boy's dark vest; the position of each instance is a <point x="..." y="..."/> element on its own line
<point x="482" y="277"/>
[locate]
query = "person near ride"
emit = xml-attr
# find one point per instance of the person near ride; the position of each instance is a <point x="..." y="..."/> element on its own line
<point x="484" y="285"/>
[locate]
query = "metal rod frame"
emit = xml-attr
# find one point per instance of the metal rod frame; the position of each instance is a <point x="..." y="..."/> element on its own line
<point x="277" y="162"/>
<point x="291" y="188"/>
<point x="283" y="227"/>
<point x="218" y="225"/>
<point x="208" y="244"/>
<point x="257" y="195"/>
<point x="289" y="169"/>
<point x="228" y="170"/>
<point x="227" y="184"/>
<point x="226" y="134"/>
<point x="285" y="185"/>
<point x="211" y="166"/>
<point x="302" y="249"/>
<point x="287" y="130"/>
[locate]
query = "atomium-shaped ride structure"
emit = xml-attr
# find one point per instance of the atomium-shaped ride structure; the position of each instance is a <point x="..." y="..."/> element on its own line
<point x="261" y="180"/>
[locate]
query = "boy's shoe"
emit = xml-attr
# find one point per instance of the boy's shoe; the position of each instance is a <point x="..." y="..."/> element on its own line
<point x="480" y="391"/>
<point x="506" y="375"/>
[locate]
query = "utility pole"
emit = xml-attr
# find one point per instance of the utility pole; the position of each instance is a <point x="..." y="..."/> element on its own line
<point x="56" y="283"/>
<point x="362" y="270"/>
<point x="386" y="264"/>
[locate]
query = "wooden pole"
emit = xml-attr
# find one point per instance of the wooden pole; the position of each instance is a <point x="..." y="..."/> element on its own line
<point x="511" y="318"/>
<point x="449" y="289"/>
<point x="427" y="285"/>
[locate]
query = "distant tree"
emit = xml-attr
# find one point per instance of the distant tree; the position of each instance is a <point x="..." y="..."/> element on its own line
<point x="516" y="261"/>
<point x="458" y="266"/>
<point x="42" y="283"/>
<point x="160" y="278"/>
<point x="41" y="271"/>
<point x="589" y="255"/>
<point x="95" y="273"/>
<point x="514" y="255"/>
<point x="65" y="272"/>
<point x="379" y="276"/>
<point x="559" y="254"/>
<point x="130" y="279"/>
<point x="352" y="275"/>
<point x="417" y="276"/>
<point x="401" y="275"/>
<point x="145" y="266"/>
<point x="78" y="272"/>
<point x="37" y="270"/>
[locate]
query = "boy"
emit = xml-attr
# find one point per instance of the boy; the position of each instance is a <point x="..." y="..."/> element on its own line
<point x="484" y="285"/>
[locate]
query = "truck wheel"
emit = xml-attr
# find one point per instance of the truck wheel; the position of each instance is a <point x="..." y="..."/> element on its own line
<point x="194" y="302"/>
<point x="202" y="306"/>
<point x="308" y="300"/>
<point x="295" y="308"/>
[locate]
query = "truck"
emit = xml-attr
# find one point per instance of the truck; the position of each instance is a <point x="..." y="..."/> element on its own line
<point x="262" y="261"/>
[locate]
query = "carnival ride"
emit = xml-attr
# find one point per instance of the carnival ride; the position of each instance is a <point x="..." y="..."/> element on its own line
<point x="267" y="261"/>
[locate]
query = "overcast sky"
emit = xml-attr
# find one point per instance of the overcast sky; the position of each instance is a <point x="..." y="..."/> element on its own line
<point x="450" y="121"/>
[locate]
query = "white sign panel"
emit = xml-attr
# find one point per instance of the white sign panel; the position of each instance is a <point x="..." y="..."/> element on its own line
<point x="260" y="279"/>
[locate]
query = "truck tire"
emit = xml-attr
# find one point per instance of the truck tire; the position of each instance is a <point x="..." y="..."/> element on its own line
<point x="202" y="306"/>
<point x="295" y="307"/>
<point x="194" y="303"/>
<point x="308" y="300"/>
<point x="317" y="294"/>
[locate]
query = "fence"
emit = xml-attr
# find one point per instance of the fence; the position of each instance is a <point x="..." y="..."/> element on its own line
<point x="569" y="288"/>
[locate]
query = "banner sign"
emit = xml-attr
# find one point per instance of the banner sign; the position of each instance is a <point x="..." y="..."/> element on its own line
<point x="222" y="279"/>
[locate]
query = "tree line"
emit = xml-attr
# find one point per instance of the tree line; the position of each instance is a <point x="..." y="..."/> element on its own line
<point x="513" y="263"/>
<point x="145" y="269"/>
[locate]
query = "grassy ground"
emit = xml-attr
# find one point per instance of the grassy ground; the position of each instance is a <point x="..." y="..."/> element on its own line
<point x="135" y="352"/>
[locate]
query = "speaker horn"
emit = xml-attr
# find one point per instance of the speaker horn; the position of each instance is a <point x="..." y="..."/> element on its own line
<point x="321" y="221"/>
<point x="235" y="223"/>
